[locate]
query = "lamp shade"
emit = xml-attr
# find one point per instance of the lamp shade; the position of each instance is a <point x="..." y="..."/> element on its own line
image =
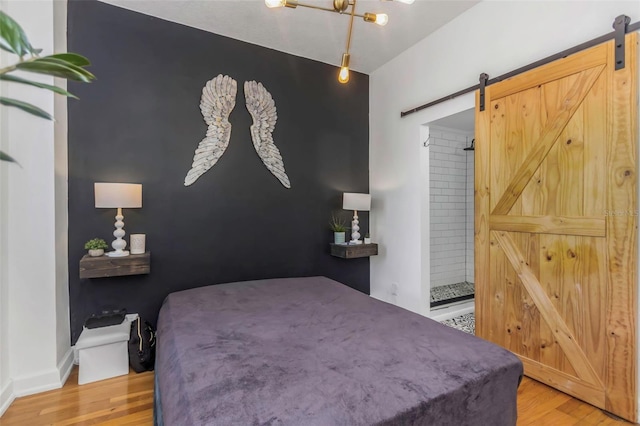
<point x="353" y="201"/>
<point x="114" y="195"/>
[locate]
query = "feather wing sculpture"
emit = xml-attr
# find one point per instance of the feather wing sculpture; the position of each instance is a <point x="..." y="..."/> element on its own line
<point x="262" y="108"/>
<point x="217" y="101"/>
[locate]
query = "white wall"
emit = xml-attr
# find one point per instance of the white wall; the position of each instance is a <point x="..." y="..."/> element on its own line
<point x="6" y="391"/>
<point x="61" y="189"/>
<point x="493" y="37"/>
<point x="448" y="198"/>
<point x="35" y="346"/>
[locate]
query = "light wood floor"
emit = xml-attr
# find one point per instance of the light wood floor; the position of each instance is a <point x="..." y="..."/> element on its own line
<point x="128" y="400"/>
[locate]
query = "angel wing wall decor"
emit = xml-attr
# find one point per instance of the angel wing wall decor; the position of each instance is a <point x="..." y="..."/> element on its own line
<point x="217" y="101"/>
<point x="262" y="108"/>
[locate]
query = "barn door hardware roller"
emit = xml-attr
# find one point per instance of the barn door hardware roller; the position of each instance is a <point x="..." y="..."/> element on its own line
<point x="484" y="77"/>
<point x="620" y="25"/>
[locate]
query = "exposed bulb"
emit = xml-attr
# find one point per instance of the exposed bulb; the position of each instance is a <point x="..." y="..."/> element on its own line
<point x="275" y="3"/>
<point x="406" y="1"/>
<point x="382" y="19"/>
<point x="343" y="77"/>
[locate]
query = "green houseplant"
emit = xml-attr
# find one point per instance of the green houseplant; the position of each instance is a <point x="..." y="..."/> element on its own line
<point x="339" y="228"/>
<point x="95" y="246"/>
<point x="69" y="66"/>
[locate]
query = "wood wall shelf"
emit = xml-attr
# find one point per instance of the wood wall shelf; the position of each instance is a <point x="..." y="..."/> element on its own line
<point x="351" y="251"/>
<point x="105" y="266"/>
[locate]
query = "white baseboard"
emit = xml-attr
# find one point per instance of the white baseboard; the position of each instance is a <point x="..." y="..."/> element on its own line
<point x="46" y="380"/>
<point x="452" y="311"/>
<point x="65" y="366"/>
<point x="36" y="383"/>
<point x="6" y="397"/>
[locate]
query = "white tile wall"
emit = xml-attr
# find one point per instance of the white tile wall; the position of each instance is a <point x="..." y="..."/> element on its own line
<point x="470" y="213"/>
<point x="451" y="202"/>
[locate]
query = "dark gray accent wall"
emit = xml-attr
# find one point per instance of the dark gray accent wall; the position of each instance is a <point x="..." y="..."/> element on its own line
<point x="140" y="122"/>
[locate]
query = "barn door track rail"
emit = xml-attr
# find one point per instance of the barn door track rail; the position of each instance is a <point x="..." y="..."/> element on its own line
<point x="621" y="26"/>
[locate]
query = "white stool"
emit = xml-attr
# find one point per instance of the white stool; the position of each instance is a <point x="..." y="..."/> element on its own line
<point x="103" y="352"/>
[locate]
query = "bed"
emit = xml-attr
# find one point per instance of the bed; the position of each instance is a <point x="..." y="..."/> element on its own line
<point x="312" y="351"/>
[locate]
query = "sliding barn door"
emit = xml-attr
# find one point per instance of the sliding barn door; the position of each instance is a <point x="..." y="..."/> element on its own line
<point x="556" y="224"/>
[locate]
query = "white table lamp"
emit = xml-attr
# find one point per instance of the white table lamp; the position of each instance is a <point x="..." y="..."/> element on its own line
<point x="118" y="195"/>
<point x="355" y="202"/>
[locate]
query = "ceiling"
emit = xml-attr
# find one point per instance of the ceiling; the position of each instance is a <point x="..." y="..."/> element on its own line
<point x="463" y="121"/>
<point x="310" y="33"/>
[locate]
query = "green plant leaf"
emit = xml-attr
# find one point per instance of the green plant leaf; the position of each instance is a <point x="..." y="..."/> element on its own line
<point x="95" y="244"/>
<point x="31" y="109"/>
<point x="72" y="58"/>
<point x="56" y="89"/>
<point x="6" y="157"/>
<point x="13" y="38"/>
<point x="76" y="68"/>
<point x="57" y="69"/>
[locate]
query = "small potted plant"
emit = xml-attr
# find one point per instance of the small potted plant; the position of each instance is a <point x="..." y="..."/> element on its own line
<point x="339" y="228"/>
<point x="367" y="238"/>
<point x="96" y="247"/>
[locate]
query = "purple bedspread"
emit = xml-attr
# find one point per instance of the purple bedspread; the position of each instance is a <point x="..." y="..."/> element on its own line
<point x="311" y="351"/>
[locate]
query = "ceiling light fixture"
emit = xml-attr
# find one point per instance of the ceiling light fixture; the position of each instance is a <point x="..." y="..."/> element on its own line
<point x="340" y="6"/>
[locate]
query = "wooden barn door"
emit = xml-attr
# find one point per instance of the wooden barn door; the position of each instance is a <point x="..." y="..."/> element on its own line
<point x="556" y="224"/>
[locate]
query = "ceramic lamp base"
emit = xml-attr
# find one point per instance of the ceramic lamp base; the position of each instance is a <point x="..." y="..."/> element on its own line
<point x="122" y="253"/>
<point x="355" y="235"/>
<point x="118" y="244"/>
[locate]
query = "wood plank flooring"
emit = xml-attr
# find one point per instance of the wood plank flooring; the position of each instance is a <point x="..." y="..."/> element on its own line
<point x="128" y="400"/>
<point x="124" y="400"/>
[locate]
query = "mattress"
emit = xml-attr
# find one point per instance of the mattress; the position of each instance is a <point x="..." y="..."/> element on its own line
<point x="312" y="351"/>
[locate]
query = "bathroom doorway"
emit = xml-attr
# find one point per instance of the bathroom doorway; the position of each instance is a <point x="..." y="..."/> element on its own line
<point x="451" y="206"/>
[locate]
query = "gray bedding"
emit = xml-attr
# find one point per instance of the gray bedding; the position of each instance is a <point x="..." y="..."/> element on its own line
<point x="311" y="351"/>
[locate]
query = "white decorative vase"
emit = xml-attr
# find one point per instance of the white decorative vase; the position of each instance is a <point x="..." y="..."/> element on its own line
<point x="137" y="243"/>
<point x="96" y="252"/>
<point x="367" y="240"/>
<point x="339" y="237"/>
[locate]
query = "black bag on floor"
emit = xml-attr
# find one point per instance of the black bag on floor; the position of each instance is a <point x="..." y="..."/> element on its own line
<point x="142" y="346"/>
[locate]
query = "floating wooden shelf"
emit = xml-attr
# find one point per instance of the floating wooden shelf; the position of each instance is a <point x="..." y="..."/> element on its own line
<point x="105" y="266"/>
<point x="351" y="251"/>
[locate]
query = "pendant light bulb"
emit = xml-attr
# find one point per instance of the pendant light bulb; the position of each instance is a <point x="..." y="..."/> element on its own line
<point x="382" y="19"/>
<point x="343" y="76"/>
<point x="275" y="3"/>
<point x="377" y="18"/>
